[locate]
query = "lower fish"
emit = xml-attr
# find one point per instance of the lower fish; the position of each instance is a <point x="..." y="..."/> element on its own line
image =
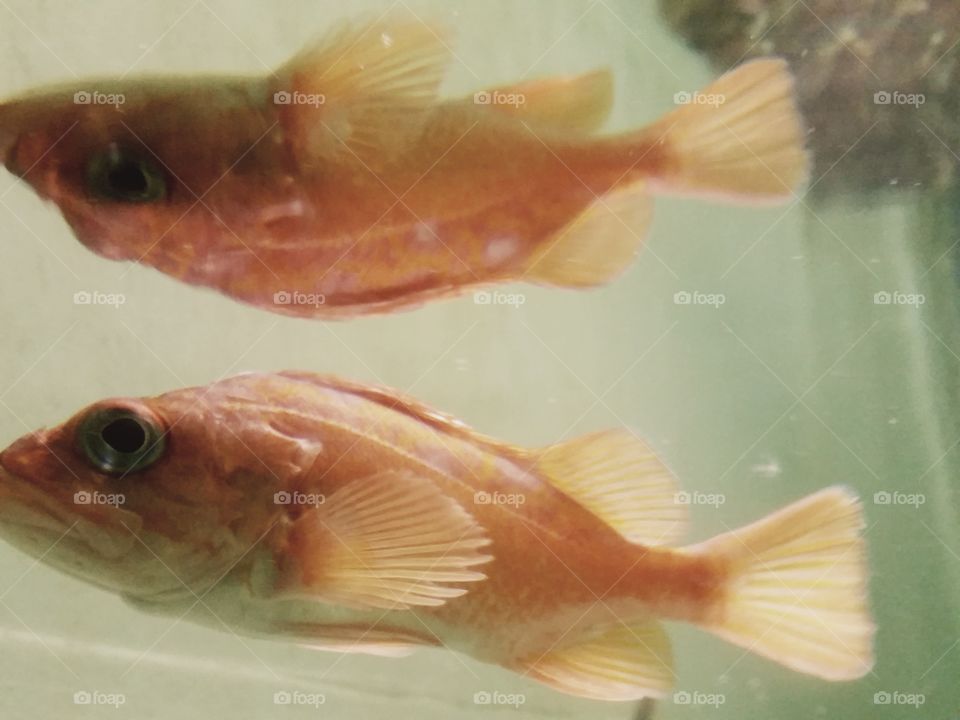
<point x="353" y="518"/>
<point x="344" y="184"/>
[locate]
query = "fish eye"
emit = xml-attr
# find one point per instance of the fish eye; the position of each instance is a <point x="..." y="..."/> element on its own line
<point x="119" y="441"/>
<point x="125" y="175"/>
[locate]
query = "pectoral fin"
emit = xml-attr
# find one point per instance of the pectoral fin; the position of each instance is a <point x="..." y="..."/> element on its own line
<point x="390" y="541"/>
<point x="364" y="88"/>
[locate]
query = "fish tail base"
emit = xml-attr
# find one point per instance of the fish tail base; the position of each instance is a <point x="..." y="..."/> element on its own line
<point x="796" y="588"/>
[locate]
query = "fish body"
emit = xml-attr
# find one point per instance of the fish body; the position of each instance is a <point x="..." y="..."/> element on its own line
<point x="353" y="518"/>
<point x="343" y="184"/>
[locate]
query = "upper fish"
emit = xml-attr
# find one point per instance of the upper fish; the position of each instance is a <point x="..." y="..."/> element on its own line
<point x="344" y="184"/>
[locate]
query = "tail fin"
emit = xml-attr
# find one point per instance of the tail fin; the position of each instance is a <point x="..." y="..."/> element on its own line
<point x="741" y="137"/>
<point x="797" y="588"/>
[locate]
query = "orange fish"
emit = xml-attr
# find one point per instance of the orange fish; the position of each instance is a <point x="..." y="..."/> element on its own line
<point x="342" y="184"/>
<point x="352" y="518"/>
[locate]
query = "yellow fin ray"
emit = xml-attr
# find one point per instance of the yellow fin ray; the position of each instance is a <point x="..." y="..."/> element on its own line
<point x="597" y="245"/>
<point x="797" y="592"/>
<point x="625" y="663"/>
<point x="387" y="541"/>
<point x="619" y="478"/>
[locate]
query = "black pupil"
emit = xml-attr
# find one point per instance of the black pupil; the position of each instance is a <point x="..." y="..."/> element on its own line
<point x="124" y="435"/>
<point x="128" y="178"/>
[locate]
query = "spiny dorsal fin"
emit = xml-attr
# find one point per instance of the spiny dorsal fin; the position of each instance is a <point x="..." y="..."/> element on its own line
<point x="390" y="540"/>
<point x="576" y="103"/>
<point x="626" y="663"/>
<point x="371" y="87"/>
<point x="619" y="479"/>
<point x="401" y="403"/>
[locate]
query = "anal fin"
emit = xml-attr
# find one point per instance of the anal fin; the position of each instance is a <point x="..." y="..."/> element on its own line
<point x="625" y="663"/>
<point x="597" y="245"/>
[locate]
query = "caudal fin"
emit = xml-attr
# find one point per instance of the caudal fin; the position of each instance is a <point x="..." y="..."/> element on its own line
<point x="797" y="588"/>
<point x="740" y="138"/>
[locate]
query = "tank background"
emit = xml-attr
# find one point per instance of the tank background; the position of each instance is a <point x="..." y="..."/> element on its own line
<point x="798" y="380"/>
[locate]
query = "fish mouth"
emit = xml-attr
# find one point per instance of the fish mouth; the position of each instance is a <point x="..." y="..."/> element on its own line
<point x="30" y="513"/>
<point x="8" y="133"/>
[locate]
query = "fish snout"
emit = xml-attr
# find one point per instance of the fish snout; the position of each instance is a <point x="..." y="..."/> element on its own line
<point x="8" y="133"/>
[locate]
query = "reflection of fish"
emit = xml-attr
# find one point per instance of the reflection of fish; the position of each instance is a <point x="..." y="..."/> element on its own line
<point x="352" y="518"/>
<point x="342" y="185"/>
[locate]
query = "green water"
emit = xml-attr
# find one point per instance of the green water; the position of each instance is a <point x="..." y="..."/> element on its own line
<point x="797" y="381"/>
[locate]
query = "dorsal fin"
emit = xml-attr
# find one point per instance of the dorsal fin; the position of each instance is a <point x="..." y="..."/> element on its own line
<point x="366" y="87"/>
<point x="619" y="479"/>
<point x="571" y="103"/>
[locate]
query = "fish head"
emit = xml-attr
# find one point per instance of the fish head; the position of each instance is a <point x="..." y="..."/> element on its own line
<point x="152" y="498"/>
<point x="139" y="166"/>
